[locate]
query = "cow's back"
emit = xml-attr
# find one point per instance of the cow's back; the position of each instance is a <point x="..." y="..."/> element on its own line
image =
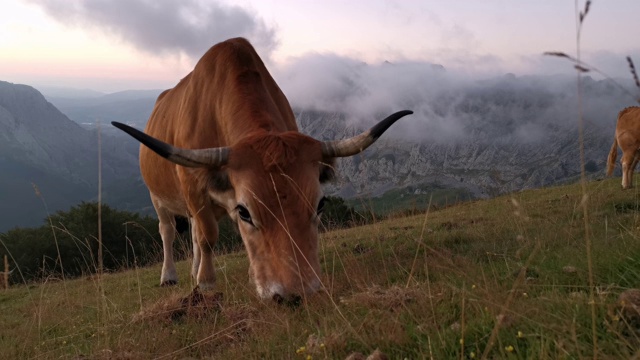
<point x="629" y="122"/>
<point x="229" y="95"/>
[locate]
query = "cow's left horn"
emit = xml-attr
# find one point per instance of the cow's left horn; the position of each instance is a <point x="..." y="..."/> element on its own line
<point x="212" y="157"/>
<point x="356" y="144"/>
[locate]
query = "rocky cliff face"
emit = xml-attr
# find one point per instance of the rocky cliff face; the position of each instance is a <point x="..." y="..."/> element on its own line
<point x="492" y="138"/>
<point x="483" y="169"/>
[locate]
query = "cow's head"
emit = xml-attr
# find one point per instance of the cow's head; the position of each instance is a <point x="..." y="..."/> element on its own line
<point x="270" y="185"/>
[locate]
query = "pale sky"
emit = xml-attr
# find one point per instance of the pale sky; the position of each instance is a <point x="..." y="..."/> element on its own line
<point x="113" y="45"/>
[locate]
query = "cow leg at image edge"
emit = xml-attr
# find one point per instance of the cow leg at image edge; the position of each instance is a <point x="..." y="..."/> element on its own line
<point x="206" y="235"/>
<point x="167" y="228"/>
<point x="195" y="265"/>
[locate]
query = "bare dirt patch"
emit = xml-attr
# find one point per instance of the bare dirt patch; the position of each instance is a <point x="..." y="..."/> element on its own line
<point x="196" y="305"/>
<point x="626" y="314"/>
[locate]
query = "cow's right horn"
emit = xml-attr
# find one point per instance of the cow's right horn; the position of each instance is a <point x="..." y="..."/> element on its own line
<point x="212" y="157"/>
<point x="356" y="144"/>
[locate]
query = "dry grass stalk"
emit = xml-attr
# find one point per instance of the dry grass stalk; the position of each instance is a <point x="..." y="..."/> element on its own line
<point x="5" y="275"/>
<point x="633" y="71"/>
<point x="391" y="299"/>
<point x="581" y="68"/>
<point x="584" y="13"/>
<point x="36" y="190"/>
<point x="583" y="182"/>
<point x="500" y="319"/>
<point x="558" y="54"/>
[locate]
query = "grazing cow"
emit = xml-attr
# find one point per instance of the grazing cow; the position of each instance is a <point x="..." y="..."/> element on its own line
<point x="627" y="136"/>
<point x="233" y="147"/>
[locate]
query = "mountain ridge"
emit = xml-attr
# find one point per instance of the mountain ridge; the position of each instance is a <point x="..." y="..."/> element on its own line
<point x="41" y="146"/>
<point x="488" y="138"/>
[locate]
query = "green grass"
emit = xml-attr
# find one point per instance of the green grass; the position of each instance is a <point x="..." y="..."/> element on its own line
<point x="411" y="199"/>
<point x="413" y="291"/>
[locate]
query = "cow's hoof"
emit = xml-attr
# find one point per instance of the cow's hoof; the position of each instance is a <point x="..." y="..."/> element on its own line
<point x="167" y="283"/>
<point x="205" y="286"/>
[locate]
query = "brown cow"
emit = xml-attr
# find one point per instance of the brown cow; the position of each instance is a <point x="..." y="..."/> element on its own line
<point x="235" y="149"/>
<point x="628" y="137"/>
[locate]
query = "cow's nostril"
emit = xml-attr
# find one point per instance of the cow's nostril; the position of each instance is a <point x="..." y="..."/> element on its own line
<point x="295" y="301"/>
<point x="278" y="298"/>
<point x="291" y="301"/>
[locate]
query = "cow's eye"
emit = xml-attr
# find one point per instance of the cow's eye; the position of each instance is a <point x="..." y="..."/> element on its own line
<point x="321" y="205"/>
<point x="244" y="214"/>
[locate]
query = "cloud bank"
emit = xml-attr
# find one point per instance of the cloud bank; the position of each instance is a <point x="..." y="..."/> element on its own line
<point x="164" y="27"/>
<point x="451" y="106"/>
<point x="451" y="102"/>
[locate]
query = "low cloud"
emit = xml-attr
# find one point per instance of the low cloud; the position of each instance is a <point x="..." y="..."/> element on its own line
<point x="187" y="27"/>
<point x="459" y="100"/>
<point x="450" y="105"/>
<point x="330" y="82"/>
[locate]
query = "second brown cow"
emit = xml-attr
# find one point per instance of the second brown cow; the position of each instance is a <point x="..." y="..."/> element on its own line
<point x="627" y="137"/>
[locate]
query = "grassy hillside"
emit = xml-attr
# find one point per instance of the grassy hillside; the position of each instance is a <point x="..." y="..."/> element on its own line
<point x="411" y="199"/>
<point x="507" y="277"/>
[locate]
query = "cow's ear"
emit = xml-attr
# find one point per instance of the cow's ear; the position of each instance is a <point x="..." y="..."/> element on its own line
<point x="327" y="173"/>
<point x="219" y="181"/>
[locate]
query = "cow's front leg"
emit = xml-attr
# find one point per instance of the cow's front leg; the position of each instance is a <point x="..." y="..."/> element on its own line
<point x="195" y="265"/>
<point x="207" y="235"/>
<point x="627" y="170"/>
<point x="632" y="169"/>
<point x="167" y="228"/>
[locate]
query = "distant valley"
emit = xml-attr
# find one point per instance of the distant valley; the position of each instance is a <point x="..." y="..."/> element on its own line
<point x="132" y="107"/>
